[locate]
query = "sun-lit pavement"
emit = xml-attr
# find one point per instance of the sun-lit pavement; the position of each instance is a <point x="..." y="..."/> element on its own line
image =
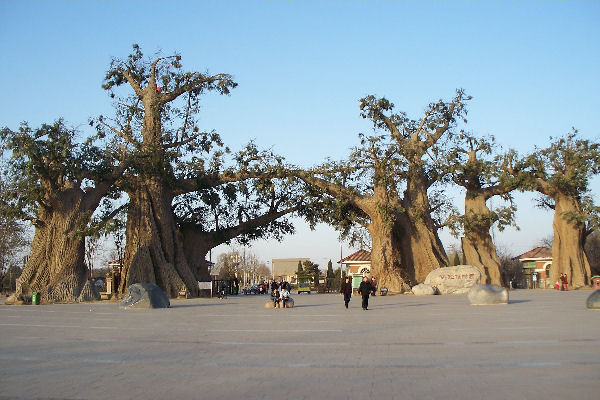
<point x="543" y="345"/>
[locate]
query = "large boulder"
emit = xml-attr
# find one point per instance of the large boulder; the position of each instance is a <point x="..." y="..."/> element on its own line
<point x="144" y="295"/>
<point x="289" y="303"/>
<point x="454" y="280"/>
<point x="423" y="289"/>
<point x="593" y="300"/>
<point x="488" y="295"/>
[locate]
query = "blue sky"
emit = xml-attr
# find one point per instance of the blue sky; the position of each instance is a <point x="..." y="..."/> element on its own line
<point x="531" y="66"/>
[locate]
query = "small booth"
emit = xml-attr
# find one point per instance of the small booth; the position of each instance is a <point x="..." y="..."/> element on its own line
<point x="358" y="265"/>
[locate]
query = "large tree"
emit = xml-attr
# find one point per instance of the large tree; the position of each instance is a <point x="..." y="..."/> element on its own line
<point x="174" y="157"/>
<point x="58" y="184"/>
<point x="420" y="143"/>
<point x="476" y="166"/>
<point x="561" y="172"/>
<point x="145" y="121"/>
<point x="385" y="186"/>
<point x="362" y="192"/>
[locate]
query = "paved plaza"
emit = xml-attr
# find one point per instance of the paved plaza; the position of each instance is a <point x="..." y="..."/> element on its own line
<point x="543" y="345"/>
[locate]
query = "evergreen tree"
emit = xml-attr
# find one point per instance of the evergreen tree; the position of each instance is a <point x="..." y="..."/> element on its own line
<point x="456" y="259"/>
<point x="330" y="276"/>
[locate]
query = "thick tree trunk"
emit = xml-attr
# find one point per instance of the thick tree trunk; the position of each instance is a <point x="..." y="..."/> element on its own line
<point x="568" y="254"/>
<point x="56" y="266"/>
<point x="386" y="260"/>
<point x="482" y="254"/>
<point x="197" y="242"/>
<point x="154" y="246"/>
<point x="422" y="249"/>
<point x="196" y="245"/>
<point x="477" y="245"/>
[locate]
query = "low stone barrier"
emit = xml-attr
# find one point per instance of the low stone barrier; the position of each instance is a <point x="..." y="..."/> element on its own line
<point x="423" y="289"/>
<point x="488" y="295"/>
<point x="593" y="300"/>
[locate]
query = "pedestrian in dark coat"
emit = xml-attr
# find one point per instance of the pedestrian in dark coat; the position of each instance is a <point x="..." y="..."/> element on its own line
<point x="365" y="289"/>
<point x="347" y="290"/>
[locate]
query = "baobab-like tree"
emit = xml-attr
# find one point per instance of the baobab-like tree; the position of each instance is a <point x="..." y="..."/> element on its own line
<point x="384" y="186"/>
<point x="58" y="183"/>
<point x="362" y="192"/>
<point x="420" y="144"/>
<point x="561" y="172"/>
<point x="173" y="157"/>
<point x="474" y="164"/>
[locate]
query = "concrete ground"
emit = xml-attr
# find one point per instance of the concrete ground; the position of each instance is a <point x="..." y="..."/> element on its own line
<point x="543" y="345"/>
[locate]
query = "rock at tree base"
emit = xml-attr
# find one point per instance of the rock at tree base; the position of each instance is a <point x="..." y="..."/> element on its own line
<point x="488" y="295"/>
<point x="593" y="301"/>
<point x="423" y="289"/>
<point x="144" y="295"/>
<point x="454" y="280"/>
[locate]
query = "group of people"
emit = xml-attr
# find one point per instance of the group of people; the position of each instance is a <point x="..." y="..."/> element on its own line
<point x="367" y="287"/>
<point x="564" y="283"/>
<point x="280" y="293"/>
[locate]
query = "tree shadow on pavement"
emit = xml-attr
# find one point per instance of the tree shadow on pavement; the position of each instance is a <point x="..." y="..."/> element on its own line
<point x="198" y="305"/>
<point x="310" y="305"/>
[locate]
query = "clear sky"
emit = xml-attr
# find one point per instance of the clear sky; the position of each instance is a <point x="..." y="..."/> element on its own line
<point x="532" y="68"/>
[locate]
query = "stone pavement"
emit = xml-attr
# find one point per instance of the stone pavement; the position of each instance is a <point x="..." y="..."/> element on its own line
<point x="543" y="345"/>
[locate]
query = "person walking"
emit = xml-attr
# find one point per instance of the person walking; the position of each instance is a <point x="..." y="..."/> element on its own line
<point x="562" y="282"/>
<point x="346" y="290"/>
<point x="365" y="289"/>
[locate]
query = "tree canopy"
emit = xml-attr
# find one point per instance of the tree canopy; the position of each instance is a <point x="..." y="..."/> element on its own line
<point x="184" y="181"/>
<point x="188" y="192"/>
<point x="58" y="182"/>
<point x="561" y="173"/>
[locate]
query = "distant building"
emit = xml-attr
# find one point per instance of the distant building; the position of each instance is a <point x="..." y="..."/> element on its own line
<point x="536" y="264"/>
<point x="286" y="268"/>
<point x="358" y="265"/>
